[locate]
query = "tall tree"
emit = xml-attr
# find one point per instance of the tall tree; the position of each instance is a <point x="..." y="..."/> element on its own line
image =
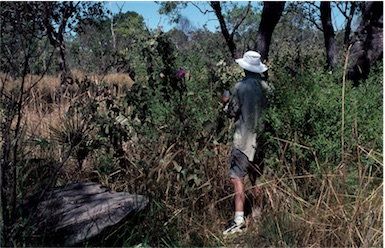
<point x="320" y="17"/>
<point x="12" y="57"/>
<point x="229" y="36"/>
<point x="20" y="48"/>
<point x="105" y="45"/>
<point x="329" y="35"/>
<point x="367" y="45"/>
<point x="91" y="47"/>
<point x="349" y="9"/>
<point x="55" y="22"/>
<point x="271" y="13"/>
<point x="245" y="35"/>
<point x="228" y="30"/>
<point x="60" y="18"/>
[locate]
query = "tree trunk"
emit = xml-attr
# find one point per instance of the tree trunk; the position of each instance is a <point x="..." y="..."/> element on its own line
<point x="56" y="37"/>
<point x="329" y="36"/>
<point x="113" y="33"/>
<point x="5" y="167"/>
<point x="225" y="32"/>
<point x="272" y="12"/>
<point x="60" y="51"/>
<point x="367" y="46"/>
<point x="349" y="20"/>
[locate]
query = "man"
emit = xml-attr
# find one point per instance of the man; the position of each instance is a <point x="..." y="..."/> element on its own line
<point x="245" y="104"/>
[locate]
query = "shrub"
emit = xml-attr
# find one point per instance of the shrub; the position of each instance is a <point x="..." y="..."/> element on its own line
<point x="315" y="186"/>
<point x="165" y="137"/>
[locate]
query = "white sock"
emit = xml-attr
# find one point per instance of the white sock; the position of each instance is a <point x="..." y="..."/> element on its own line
<point x="238" y="217"/>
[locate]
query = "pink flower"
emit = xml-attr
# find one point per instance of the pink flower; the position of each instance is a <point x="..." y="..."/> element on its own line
<point x="181" y="73"/>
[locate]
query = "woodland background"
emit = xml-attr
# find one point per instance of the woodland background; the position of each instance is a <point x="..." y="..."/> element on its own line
<point x="87" y="95"/>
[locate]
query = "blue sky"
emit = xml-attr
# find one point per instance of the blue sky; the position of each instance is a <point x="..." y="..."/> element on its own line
<point x="149" y="11"/>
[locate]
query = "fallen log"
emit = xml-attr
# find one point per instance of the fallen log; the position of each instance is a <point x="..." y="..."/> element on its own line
<point x="74" y="213"/>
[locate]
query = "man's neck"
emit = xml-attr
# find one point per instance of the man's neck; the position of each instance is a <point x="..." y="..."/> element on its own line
<point x="252" y="74"/>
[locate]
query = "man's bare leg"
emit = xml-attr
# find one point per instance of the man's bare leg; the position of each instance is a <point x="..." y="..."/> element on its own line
<point x="239" y="199"/>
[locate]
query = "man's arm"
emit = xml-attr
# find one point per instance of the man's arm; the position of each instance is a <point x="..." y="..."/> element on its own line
<point x="232" y="105"/>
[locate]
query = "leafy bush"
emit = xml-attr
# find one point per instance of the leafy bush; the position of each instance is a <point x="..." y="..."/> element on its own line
<point x="180" y="164"/>
<point x="166" y="138"/>
<point x="307" y="110"/>
<point x="311" y="176"/>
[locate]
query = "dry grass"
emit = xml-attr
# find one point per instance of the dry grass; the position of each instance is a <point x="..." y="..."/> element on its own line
<point x="186" y="212"/>
<point x="333" y="218"/>
<point x="42" y="111"/>
<point x="120" y="82"/>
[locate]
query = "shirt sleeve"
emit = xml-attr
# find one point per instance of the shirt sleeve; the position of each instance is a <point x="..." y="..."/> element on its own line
<point x="233" y="106"/>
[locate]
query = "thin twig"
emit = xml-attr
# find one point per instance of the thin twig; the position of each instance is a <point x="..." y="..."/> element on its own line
<point x="369" y="231"/>
<point x="343" y="169"/>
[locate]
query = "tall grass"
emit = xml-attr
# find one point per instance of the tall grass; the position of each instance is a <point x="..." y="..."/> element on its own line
<point x="306" y="200"/>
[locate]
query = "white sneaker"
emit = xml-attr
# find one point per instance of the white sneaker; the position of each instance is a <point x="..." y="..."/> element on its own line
<point x="235" y="228"/>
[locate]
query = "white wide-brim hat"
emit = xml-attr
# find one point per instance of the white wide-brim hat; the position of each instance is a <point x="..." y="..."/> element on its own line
<point x="251" y="61"/>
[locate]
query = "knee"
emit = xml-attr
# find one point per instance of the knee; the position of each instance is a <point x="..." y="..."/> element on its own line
<point x="238" y="184"/>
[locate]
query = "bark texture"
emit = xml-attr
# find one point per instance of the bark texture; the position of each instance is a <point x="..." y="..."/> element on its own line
<point x="367" y="44"/>
<point x="229" y="36"/>
<point x="56" y="35"/>
<point x="271" y="13"/>
<point x="329" y="35"/>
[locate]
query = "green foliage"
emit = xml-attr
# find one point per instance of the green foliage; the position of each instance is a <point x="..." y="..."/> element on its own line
<point x="177" y="120"/>
<point x="128" y="25"/>
<point x="307" y="111"/>
<point x="172" y="9"/>
<point x="245" y="36"/>
<point x="304" y="154"/>
<point x="228" y="76"/>
<point x="167" y="113"/>
<point x="95" y="123"/>
<point x="20" y="32"/>
<point x="159" y="92"/>
<point x="166" y="137"/>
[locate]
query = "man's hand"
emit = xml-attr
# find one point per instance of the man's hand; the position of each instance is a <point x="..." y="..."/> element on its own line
<point x="225" y="96"/>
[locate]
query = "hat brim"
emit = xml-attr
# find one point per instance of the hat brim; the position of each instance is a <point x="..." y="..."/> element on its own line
<point x="253" y="68"/>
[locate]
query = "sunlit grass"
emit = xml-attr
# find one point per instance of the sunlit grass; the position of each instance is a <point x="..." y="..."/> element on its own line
<point x="192" y="198"/>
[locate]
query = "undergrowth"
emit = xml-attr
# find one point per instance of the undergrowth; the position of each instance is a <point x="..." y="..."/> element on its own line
<point x="172" y="145"/>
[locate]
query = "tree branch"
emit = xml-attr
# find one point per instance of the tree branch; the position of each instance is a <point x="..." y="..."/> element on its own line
<point x="343" y="12"/>
<point x="310" y="17"/>
<point x="241" y="19"/>
<point x="200" y="10"/>
<point x="216" y="5"/>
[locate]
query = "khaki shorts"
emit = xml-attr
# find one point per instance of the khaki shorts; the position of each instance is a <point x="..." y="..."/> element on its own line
<point x="240" y="166"/>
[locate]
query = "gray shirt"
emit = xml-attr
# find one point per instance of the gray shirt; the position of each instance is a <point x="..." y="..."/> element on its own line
<point x="247" y="101"/>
